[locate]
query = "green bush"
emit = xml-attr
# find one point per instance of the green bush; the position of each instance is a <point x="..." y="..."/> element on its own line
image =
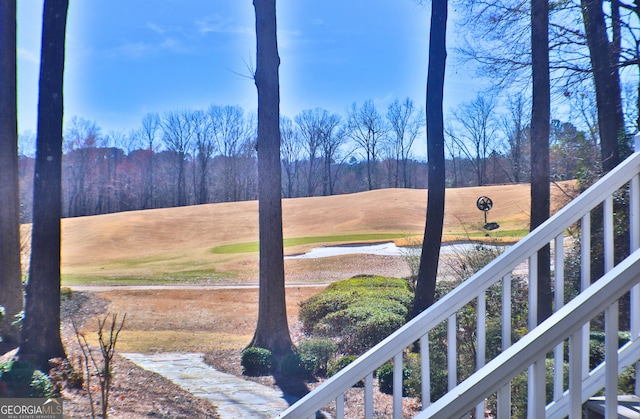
<point x="374" y="329"/>
<point x="66" y="293"/>
<point x="519" y="388"/>
<point x="299" y="365"/>
<point x="322" y="349"/>
<point x="596" y="346"/>
<point x="627" y="381"/>
<point x="385" y="378"/>
<point x="21" y="379"/>
<point x="360" y="311"/>
<point x="359" y="327"/>
<point x="411" y="381"/>
<point x="368" y="281"/>
<point x="256" y="361"/>
<point x="317" y="307"/>
<point x="337" y="365"/>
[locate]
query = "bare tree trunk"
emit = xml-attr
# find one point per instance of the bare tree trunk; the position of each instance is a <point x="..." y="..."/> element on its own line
<point x="427" y="275"/>
<point x="540" y="127"/>
<point x="272" y="330"/>
<point x="10" y="269"/>
<point x="606" y="80"/>
<point x="40" y="340"/>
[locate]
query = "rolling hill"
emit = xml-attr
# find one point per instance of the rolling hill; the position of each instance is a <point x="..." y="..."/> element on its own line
<point x="178" y="242"/>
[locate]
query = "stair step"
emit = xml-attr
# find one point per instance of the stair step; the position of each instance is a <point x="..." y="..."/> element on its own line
<point x="628" y="407"/>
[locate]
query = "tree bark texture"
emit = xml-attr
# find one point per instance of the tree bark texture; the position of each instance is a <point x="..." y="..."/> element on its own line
<point x="40" y="340"/>
<point x="10" y="270"/>
<point x="607" y="82"/>
<point x="272" y="330"/>
<point x="540" y="129"/>
<point x="427" y="274"/>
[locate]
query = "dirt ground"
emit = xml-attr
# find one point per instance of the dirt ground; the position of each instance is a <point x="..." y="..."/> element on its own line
<point x="141" y="394"/>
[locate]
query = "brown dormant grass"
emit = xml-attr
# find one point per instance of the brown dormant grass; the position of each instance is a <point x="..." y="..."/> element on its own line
<point x="176" y="242"/>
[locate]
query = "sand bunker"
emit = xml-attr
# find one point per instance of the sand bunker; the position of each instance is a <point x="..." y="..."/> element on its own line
<point x="380" y="249"/>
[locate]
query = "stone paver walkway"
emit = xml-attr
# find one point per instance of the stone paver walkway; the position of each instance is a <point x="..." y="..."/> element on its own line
<point x="234" y="397"/>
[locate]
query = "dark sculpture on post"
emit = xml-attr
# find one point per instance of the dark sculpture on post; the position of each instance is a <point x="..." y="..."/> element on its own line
<point x="484" y="203"/>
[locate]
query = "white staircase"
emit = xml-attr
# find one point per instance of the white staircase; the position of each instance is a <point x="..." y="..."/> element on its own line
<point x="568" y="327"/>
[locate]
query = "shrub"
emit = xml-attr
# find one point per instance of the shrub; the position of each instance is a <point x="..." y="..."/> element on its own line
<point x="597" y="344"/>
<point x="411" y="381"/>
<point x="411" y="255"/>
<point x="66" y="293"/>
<point x="368" y="281"/>
<point x="335" y="366"/>
<point x="360" y="327"/>
<point x="519" y="388"/>
<point x="374" y="329"/>
<point x="256" y="361"/>
<point x="627" y="381"/>
<point x="21" y="380"/>
<point x="317" y="307"/>
<point x="299" y="365"/>
<point x="322" y="349"/>
<point x="360" y="311"/>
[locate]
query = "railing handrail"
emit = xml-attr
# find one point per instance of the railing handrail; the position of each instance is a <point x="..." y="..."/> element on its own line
<point x="465" y="292"/>
<point x="558" y="327"/>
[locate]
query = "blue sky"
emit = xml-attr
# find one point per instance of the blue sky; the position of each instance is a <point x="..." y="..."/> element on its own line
<point x="126" y="58"/>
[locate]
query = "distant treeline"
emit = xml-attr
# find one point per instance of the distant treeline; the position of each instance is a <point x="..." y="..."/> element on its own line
<point x="199" y="157"/>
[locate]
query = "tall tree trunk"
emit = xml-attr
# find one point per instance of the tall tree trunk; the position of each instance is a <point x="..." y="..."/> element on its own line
<point x="540" y="128"/>
<point x="182" y="180"/>
<point x="272" y="330"/>
<point x="10" y="269"/>
<point x="607" y="82"/>
<point x="427" y="275"/>
<point x="40" y="340"/>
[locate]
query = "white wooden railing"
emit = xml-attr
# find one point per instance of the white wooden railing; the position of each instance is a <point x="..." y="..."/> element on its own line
<point x="570" y="323"/>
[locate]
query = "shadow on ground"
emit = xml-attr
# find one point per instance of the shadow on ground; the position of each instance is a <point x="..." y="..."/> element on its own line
<point x="294" y="388"/>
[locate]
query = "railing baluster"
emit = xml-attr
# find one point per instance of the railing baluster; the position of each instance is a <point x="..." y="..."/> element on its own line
<point x="506" y="311"/>
<point x="585" y="281"/>
<point x="611" y="360"/>
<point x="536" y="391"/>
<point x="397" y="386"/>
<point x="558" y="353"/>
<point x="575" y="374"/>
<point x="452" y="351"/>
<point x="368" y="396"/>
<point x="425" y="371"/>
<point x="339" y="407"/>
<point x="532" y="394"/>
<point x="504" y="393"/>
<point x="533" y="290"/>
<point x="481" y="317"/>
<point x="634" y="212"/>
<point x="634" y="227"/>
<point x="608" y="234"/>
<point x="611" y="320"/>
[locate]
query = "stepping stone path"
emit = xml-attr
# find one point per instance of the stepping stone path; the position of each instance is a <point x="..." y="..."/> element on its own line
<point x="234" y="397"/>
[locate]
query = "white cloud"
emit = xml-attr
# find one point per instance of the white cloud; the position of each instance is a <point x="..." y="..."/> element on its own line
<point x="29" y="56"/>
<point x="216" y="24"/>
<point x="156" y="28"/>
